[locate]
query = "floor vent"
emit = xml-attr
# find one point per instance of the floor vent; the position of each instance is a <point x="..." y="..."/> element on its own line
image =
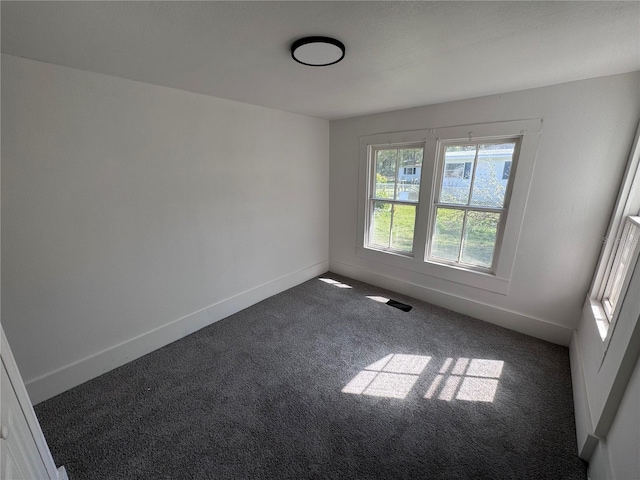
<point x="402" y="306"/>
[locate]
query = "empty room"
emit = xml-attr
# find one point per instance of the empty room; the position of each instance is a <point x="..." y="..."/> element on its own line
<point x="320" y="240"/>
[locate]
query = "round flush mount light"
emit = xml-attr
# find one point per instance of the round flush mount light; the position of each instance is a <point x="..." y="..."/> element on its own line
<point x="317" y="51"/>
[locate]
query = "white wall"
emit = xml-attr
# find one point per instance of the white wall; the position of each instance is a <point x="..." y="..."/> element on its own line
<point x="618" y="456"/>
<point x="585" y="141"/>
<point x="127" y="207"/>
<point x="623" y="440"/>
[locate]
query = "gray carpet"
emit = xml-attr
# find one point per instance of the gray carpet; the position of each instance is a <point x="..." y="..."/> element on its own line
<point x="259" y="395"/>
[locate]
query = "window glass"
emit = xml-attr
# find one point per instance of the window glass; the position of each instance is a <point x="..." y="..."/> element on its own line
<point x="479" y="241"/>
<point x="381" y="224"/>
<point x="385" y="173"/>
<point x="409" y="183"/>
<point x="622" y="261"/>
<point x="442" y="202"/>
<point x="458" y="168"/>
<point x="489" y="187"/>
<point x="392" y="215"/>
<point x="447" y="234"/>
<point x="404" y="220"/>
<point x="474" y="180"/>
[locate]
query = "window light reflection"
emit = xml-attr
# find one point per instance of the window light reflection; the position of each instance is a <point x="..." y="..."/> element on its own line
<point x="392" y="376"/>
<point x="449" y="390"/>
<point x="446" y="365"/>
<point x="377" y="298"/>
<point x="434" y="386"/>
<point x="335" y="283"/>
<point x="601" y="321"/>
<point x="477" y="389"/>
<point x="474" y="380"/>
<point x="395" y="375"/>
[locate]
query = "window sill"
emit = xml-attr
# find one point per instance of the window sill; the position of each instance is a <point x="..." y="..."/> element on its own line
<point x="461" y="267"/>
<point x="597" y="315"/>
<point x="450" y="273"/>
<point x="390" y="252"/>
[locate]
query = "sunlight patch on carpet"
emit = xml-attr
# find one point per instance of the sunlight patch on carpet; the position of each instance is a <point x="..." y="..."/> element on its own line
<point x="335" y="283"/>
<point x="395" y="375"/>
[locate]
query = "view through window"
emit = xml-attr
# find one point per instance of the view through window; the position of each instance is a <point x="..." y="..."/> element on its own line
<point x="471" y="202"/>
<point x="447" y="202"/>
<point x="394" y="197"/>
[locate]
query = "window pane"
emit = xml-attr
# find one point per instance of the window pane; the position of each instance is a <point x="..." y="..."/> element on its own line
<point x="409" y="173"/>
<point x="489" y="185"/>
<point x="385" y="173"/>
<point x="480" y="238"/>
<point x="381" y="224"/>
<point x="447" y="234"/>
<point x="456" y="178"/>
<point x="621" y="263"/>
<point x="404" y="220"/>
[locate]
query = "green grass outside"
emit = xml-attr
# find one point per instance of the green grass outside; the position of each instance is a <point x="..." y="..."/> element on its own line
<point x="479" y="241"/>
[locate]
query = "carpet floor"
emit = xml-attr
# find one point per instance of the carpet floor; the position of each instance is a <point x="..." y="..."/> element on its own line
<point x="322" y="382"/>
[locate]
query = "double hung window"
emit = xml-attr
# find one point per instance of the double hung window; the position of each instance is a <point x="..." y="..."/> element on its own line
<point x="620" y="250"/>
<point x="625" y="255"/>
<point x="469" y="209"/>
<point x="447" y="202"/>
<point x="394" y="198"/>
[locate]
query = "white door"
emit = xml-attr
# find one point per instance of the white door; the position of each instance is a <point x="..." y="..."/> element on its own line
<point x="19" y="455"/>
<point x="24" y="454"/>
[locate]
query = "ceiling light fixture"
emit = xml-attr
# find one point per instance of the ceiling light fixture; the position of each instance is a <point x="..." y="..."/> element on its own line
<point x="317" y="51"/>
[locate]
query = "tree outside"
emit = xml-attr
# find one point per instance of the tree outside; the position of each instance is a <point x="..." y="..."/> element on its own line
<point x="394" y="224"/>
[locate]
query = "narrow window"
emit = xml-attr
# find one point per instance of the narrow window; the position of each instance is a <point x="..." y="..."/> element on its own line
<point x="620" y="250"/>
<point x="625" y="254"/>
<point x="470" y="209"/>
<point x="393" y="197"/>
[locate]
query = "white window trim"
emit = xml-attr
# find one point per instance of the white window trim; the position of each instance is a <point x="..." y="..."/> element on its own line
<point x="372" y="187"/>
<point x="627" y="204"/>
<point x="498" y="282"/>
<point x="504" y="211"/>
<point x="631" y="224"/>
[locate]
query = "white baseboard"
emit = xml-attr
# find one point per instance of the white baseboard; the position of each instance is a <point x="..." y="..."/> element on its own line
<point x="62" y="474"/>
<point x="69" y="376"/>
<point x="518" y="322"/>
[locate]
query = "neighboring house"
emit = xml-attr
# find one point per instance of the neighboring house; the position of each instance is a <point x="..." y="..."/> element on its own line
<point x="410" y="173"/>
<point x="494" y="168"/>
<point x="492" y="173"/>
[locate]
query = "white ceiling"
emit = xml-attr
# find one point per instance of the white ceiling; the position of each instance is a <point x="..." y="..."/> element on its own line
<point x="399" y="54"/>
